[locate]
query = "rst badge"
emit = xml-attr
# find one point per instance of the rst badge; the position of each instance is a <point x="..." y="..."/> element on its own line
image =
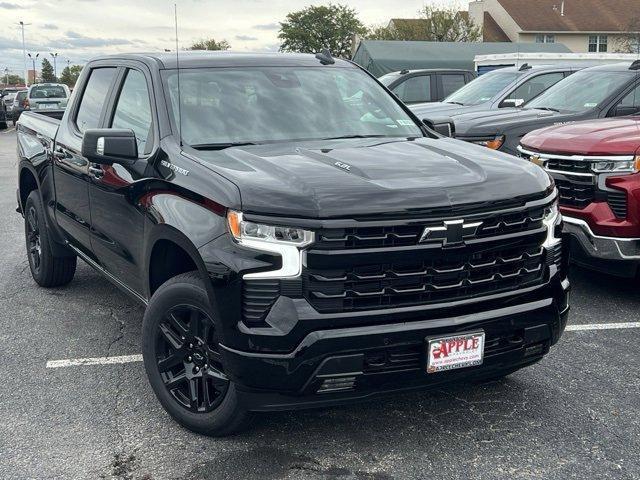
<point x="453" y="232"/>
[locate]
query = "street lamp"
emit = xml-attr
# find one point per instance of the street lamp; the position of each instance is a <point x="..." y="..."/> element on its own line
<point x="33" y="61"/>
<point x="55" y="67"/>
<point x="24" y="52"/>
<point x="6" y="77"/>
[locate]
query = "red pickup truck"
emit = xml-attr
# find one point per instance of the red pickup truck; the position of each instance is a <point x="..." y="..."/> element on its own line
<point x="596" y="167"/>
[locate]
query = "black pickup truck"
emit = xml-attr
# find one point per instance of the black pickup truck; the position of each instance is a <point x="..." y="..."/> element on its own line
<point x="299" y="239"/>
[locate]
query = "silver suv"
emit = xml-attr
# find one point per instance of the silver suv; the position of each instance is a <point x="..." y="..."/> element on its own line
<point x="48" y="96"/>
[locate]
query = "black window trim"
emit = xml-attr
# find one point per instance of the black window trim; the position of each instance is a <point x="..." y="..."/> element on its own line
<point x="124" y="67"/>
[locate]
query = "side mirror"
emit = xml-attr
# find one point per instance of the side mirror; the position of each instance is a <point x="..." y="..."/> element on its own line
<point x="106" y="146"/>
<point x="511" y="102"/>
<point x="623" y="111"/>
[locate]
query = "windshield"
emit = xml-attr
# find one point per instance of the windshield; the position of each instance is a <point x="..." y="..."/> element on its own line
<point x="581" y="91"/>
<point x="483" y="88"/>
<point x="263" y="104"/>
<point x="48" y="91"/>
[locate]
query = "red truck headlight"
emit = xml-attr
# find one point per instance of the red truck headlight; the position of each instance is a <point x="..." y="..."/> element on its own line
<point x="617" y="166"/>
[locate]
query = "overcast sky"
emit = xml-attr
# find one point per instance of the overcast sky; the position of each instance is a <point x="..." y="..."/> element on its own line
<point x="80" y="29"/>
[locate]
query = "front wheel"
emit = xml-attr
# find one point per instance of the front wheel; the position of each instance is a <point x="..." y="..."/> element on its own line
<point x="183" y="361"/>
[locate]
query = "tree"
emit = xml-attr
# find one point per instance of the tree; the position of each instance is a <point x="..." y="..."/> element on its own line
<point x="210" y="44"/>
<point x="629" y="42"/>
<point x="435" y="24"/>
<point x="318" y="27"/>
<point x="70" y="74"/>
<point x="47" y="74"/>
<point x="13" y="79"/>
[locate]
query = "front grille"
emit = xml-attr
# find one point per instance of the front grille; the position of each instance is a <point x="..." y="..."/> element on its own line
<point x="407" y="235"/>
<point x="575" y="194"/>
<point x="618" y="203"/>
<point x="569" y="166"/>
<point x="448" y="276"/>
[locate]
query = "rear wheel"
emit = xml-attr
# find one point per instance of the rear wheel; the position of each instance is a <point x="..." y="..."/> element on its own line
<point x="47" y="269"/>
<point x="183" y="361"/>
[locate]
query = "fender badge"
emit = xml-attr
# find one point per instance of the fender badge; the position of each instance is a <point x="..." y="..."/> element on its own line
<point x="175" y="168"/>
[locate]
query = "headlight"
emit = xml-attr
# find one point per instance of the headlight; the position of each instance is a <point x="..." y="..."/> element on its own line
<point x="615" y="166"/>
<point x="552" y="219"/>
<point x="288" y="242"/>
<point x="492" y="143"/>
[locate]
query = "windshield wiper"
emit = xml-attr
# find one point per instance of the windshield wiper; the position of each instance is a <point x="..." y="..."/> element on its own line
<point x="550" y="109"/>
<point x="220" y="146"/>
<point x="346" y="137"/>
<point x="456" y="103"/>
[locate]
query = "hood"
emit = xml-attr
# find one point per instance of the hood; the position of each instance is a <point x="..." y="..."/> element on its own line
<point x="610" y="136"/>
<point x="429" y="110"/>
<point x="351" y="178"/>
<point x="492" y="122"/>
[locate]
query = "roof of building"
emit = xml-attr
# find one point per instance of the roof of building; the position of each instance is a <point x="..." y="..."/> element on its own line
<point x="579" y="15"/>
<point x="491" y="31"/>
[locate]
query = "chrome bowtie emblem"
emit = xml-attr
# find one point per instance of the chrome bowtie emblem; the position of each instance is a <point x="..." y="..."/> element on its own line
<point x="453" y="232"/>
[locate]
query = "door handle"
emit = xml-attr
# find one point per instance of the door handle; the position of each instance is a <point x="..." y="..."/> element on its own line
<point x="59" y="154"/>
<point x="96" y="171"/>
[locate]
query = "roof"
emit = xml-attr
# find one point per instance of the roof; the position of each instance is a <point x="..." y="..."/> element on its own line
<point x="203" y="59"/>
<point x="380" y="56"/>
<point x="491" y="31"/>
<point x="579" y="15"/>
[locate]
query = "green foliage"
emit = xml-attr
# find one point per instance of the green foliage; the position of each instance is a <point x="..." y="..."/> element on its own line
<point x="317" y="27"/>
<point x="210" y="44"/>
<point x="46" y="73"/>
<point x="70" y="74"/>
<point x="435" y="24"/>
<point x="13" y="79"/>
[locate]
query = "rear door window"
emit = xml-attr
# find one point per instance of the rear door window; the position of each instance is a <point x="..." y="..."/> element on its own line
<point x="533" y="87"/>
<point x="415" y="89"/>
<point x="451" y="83"/>
<point x="94" y="98"/>
<point x="133" y="110"/>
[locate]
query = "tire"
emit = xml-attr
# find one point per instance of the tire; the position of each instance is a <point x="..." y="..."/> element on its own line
<point x="47" y="269"/>
<point x="3" y="125"/>
<point x="181" y="356"/>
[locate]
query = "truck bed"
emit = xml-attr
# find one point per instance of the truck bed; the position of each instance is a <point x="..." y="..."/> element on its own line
<point x="39" y="124"/>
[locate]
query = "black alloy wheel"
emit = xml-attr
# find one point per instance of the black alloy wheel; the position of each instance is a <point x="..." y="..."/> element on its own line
<point x="188" y="359"/>
<point x="34" y="242"/>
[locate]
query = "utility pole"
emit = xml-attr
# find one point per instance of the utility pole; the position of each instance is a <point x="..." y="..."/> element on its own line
<point x="55" y="68"/>
<point x="6" y="77"/>
<point x="33" y="61"/>
<point x="24" y="53"/>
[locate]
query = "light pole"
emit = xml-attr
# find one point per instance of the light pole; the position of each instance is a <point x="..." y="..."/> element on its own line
<point x="55" y="67"/>
<point x="33" y="61"/>
<point x="6" y="77"/>
<point x="24" y="53"/>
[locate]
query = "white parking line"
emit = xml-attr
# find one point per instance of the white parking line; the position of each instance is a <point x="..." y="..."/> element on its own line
<point x="78" y="362"/>
<point x="602" y="326"/>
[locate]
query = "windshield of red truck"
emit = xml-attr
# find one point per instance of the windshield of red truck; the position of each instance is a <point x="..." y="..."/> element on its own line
<point x="264" y="104"/>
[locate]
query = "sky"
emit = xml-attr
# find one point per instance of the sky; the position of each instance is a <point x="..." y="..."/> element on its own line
<point x="80" y="29"/>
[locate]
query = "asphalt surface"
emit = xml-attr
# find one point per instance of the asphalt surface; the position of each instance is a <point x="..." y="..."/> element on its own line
<point x="574" y="415"/>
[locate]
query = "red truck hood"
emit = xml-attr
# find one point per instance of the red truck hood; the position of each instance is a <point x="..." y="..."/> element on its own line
<point x="611" y="136"/>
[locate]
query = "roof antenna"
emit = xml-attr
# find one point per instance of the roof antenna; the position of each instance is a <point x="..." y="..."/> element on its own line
<point x="325" y="57"/>
<point x="175" y="14"/>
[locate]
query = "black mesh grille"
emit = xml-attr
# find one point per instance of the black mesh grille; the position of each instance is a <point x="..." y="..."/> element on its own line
<point x="576" y="194"/>
<point x="407" y="235"/>
<point x="618" y="203"/>
<point x="452" y="275"/>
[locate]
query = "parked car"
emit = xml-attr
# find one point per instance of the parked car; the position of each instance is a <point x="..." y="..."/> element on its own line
<point x="48" y="96"/>
<point x="596" y="167"/>
<point x="505" y="87"/>
<point x="19" y="105"/>
<point x="419" y="86"/>
<point x="298" y="237"/>
<point x="595" y="92"/>
<point x="3" y="115"/>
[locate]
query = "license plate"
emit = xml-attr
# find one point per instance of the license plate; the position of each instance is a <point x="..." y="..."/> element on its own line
<point x="455" y="351"/>
<point x="50" y="105"/>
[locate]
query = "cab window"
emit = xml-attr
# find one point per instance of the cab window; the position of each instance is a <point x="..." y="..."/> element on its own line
<point x="533" y="87"/>
<point x="133" y="110"/>
<point x="415" y="89"/>
<point x="94" y="98"/>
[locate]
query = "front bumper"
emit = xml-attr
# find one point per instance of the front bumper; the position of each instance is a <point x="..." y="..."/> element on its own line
<point x="337" y="366"/>
<point x="600" y="252"/>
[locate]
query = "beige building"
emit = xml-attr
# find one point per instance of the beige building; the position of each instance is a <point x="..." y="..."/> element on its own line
<point x="581" y="25"/>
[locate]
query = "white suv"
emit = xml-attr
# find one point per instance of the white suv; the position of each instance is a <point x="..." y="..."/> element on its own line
<point x="48" y="96"/>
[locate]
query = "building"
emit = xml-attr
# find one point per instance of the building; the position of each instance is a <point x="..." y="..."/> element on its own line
<point x="32" y="76"/>
<point x="582" y="25"/>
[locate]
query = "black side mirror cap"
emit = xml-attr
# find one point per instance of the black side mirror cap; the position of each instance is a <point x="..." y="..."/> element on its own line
<point x="624" y="111"/>
<point x="106" y="146"/>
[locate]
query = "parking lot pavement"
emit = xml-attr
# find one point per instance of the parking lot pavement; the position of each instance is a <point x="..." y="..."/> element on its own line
<point x="574" y="415"/>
